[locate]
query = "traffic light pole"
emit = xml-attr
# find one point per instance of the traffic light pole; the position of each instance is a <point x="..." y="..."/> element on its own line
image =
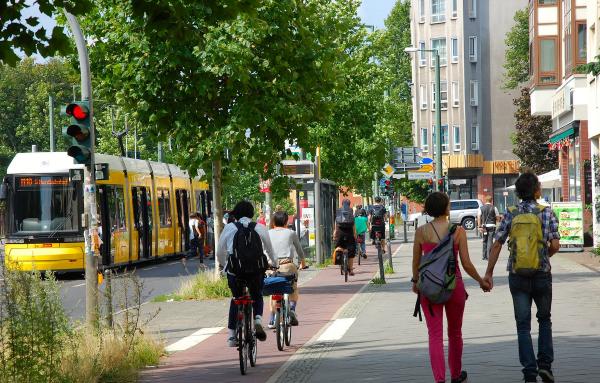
<point x="438" y="122"/>
<point x="89" y="218"/>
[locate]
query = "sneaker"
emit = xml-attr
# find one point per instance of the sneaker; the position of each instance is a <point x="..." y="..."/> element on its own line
<point x="271" y="325"/>
<point x="364" y="255"/>
<point x="461" y="378"/>
<point x="546" y="375"/>
<point x="232" y="342"/>
<point x="293" y="318"/>
<point x="260" y="331"/>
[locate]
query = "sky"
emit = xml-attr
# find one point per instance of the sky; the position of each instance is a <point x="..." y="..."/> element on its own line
<point x="374" y="12"/>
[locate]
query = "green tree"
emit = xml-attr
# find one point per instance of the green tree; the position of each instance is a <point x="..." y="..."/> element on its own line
<point x="372" y="106"/>
<point x="28" y="35"/>
<point x="531" y="132"/>
<point x="247" y="79"/>
<point x="24" y="114"/>
<point x="517" y="51"/>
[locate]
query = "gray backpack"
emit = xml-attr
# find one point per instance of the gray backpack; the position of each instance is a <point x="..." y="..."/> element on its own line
<point x="437" y="272"/>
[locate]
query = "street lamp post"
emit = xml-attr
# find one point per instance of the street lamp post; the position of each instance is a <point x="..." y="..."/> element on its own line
<point x="438" y="112"/>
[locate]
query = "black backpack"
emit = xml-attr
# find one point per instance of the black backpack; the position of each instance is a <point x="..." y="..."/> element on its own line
<point x="248" y="256"/>
<point x="378" y="215"/>
<point x="344" y="217"/>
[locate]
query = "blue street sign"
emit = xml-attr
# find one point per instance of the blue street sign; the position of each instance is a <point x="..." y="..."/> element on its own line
<point x="382" y="182"/>
<point x="426" y="161"/>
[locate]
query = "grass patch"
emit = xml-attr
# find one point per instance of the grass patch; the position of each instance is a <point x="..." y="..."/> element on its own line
<point x="204" y="285"/>
<point x="326" y="263"/>
<point x="388" y="268"/>
<point x="167" y="298"/>
<point x="378" y="281"/>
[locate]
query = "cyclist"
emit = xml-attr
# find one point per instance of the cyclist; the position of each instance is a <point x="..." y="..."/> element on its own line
<point x="344" y="235"/>
<point x="227" y="250"/>
<point x="361" y="222"/>
<point x="377" y="221"/>
<point x="285" y="243"/>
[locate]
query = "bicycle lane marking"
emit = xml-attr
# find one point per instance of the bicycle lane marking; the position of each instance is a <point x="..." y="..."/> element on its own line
<point x="210" y="361"/>
<point x="194" y="339"/>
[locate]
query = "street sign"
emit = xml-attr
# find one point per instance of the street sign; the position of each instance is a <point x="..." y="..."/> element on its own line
<point x="399" y="175"/>
<point x="426" y="161"/>
<point x="420" y="176"/>
<point x="387" y="170"/>
<point x="426" y="169"/>
<point x="404" y="166"/>
<point x="410" y="154"/>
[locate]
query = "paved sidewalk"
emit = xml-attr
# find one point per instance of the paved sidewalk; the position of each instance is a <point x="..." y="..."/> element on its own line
<point x="386" y="344"/>
<point x="211" y="361"/>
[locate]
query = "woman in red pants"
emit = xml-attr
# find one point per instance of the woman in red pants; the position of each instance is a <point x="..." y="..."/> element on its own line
<point x="437" y="205"/>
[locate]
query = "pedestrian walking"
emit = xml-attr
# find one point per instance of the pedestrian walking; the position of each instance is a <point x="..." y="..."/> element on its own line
<point x="487" y="219"/>
<point x="261" y="220"/>
<point x="195" y="237"/>
<point x="427" y="239"/>
<point x="534" y="238"/>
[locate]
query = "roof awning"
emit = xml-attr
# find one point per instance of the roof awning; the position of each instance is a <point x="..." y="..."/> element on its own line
<point x="548" y="180"/>
<point x="566" y="131"/>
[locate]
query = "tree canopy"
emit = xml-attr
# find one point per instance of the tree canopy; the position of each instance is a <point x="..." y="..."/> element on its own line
<point x="517" y="51"/>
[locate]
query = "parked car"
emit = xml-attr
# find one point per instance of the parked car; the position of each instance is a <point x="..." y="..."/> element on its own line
<point x="464" y="212"/>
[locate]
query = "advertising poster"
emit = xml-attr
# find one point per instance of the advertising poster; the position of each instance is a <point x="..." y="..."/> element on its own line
<point x="570" y="222"/>
<point x="308" y="213"/>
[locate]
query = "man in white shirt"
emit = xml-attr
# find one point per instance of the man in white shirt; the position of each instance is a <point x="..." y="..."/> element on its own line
<point x="195" y="237"/>
<point x="243" y="212"/>
<point x="487" y="219"/>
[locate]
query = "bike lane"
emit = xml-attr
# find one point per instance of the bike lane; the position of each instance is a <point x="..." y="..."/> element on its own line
<point x="212" y="361"/>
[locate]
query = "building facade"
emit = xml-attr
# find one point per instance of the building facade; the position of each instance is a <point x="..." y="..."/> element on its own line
<point x="477" y="113"/>
<point x="558" y="46"/>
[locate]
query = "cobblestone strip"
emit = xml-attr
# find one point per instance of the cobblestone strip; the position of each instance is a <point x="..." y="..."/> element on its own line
<point x="303" y="364"/>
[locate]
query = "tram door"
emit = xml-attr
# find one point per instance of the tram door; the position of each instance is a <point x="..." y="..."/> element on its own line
<point x="142" y="209"/>
<point x="183" y="218"/>
<point x="107" y="248"/>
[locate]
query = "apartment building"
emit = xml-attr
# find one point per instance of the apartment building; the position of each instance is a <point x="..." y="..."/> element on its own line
<point x="593" y="96"/>
<point x="477" y="114"/>
<point x="558" y="45"/>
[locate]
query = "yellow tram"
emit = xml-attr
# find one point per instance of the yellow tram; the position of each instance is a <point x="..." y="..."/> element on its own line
<point x="143" y="210"/>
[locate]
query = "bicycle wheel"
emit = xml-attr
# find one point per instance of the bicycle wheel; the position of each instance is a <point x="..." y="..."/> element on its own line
<point x="242" y="345"/>
<point x="251" y="337"/>
<point x="279" y="329"/>
<point x="359" y="254"/>
<point x="346" y="267"/>
<point x="288" y="323"/>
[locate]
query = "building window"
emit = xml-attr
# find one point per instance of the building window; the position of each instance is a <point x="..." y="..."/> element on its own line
<point x="438" y="11"/>
<point x="581" y="42"/>
<point x="423" y="96"/>
<point x="456" y="141"/>
<point x="472" y="9"/>
<point x="454" y="50"/>
<point x="475" y="137"/>
<point x="443" y="94"/>
<point x="473" y="49"/>
<point x="422" y="53"/>
<point x="474" y="91"/>
<point x="424" y="140"/>
<point x="421" y="11"/>
<point x="454" y="9"/>
<point x="440" y="46"/>
<point x="455" y="94"/>
<point x="548" y="60"/>
<point x="445" y="139"/>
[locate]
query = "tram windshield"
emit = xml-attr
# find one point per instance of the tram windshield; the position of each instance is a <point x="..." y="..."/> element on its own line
<point x="46" y="204"/>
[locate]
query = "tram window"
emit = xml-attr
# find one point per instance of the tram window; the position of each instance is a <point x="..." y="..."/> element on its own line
<point x="164" y="208"/>
<point x="116" y="207"/>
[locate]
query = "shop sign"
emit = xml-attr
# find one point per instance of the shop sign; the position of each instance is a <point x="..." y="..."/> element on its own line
<point x="570" y="222"/>
<point x="561" y="102"/>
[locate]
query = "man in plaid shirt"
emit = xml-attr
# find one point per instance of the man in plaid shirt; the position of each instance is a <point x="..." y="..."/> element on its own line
<point x="536" y="288"/>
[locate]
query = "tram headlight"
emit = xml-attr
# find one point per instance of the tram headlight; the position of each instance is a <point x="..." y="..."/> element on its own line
<point x="15" y="240"/>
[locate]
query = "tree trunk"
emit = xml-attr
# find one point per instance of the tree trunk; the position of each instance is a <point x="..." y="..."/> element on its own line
<point x="217" y="206"/>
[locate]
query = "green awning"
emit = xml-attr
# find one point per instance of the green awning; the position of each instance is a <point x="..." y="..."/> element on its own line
<point x="567" y="131"/>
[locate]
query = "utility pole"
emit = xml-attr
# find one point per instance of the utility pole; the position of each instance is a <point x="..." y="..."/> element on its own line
<point x="89" y="220"/>
<point x="268" y="207"/>
<point x="438" y="121"/>
<point x="318" y="210"/>
<point x="217" y="207"/>
<point x="51" y="118"/>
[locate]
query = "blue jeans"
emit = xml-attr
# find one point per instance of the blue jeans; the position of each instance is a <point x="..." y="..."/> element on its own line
<point x="524" y="290"/>
<point x="255" y="285"/>
<point x="363" y="244"/>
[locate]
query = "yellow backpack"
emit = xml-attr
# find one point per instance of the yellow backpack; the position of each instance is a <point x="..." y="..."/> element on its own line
<point x="526" y="241"/>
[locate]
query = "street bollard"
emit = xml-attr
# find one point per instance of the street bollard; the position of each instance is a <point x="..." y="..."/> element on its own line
<point x="389" y="251"/>
<point x="405" y="235"/>
<point x="380" y="257"/>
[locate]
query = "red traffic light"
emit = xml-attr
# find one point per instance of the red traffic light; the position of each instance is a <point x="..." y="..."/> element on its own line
<point x="77" y="111"/>
<point x="387" y="182"/>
